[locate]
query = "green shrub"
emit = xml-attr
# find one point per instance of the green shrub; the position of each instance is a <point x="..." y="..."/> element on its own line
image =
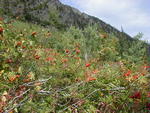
<point x="43" y="70"/>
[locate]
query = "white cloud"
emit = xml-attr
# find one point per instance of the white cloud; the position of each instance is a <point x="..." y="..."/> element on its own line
<point x="126" y="13"/>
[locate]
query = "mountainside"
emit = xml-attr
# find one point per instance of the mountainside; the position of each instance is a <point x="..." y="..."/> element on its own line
<point x="53" y="13"/>
<point x="75" y="71"/>
<point x="55" y="68"/>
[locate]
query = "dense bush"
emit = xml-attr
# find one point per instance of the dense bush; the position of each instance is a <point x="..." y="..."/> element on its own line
<point x="45" y="71"/>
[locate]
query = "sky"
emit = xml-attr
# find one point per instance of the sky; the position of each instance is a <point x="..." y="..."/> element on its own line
<point x="132" y="15"/>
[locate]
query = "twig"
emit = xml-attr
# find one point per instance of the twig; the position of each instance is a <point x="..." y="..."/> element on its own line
<point x="38" y="81"/>
<point x="71" y="86"/>
<point x="19" y="96"/>
<point x="75" y="104"/>
<point x="16" y="106"/>
<point x="59" y="90"/>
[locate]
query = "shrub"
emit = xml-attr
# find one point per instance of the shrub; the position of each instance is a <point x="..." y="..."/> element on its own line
<point x="71" y="71"/>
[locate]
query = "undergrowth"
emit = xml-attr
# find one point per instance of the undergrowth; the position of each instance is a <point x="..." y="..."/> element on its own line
<point x="76" y="71"/>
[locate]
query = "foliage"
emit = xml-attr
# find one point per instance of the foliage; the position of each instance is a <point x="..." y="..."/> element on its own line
<point x="45" y="71"/>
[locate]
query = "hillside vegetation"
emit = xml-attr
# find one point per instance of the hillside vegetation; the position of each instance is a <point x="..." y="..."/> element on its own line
<point x="75" y="71"/>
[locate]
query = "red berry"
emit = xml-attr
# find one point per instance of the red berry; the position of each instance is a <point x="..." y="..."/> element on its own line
<point x="67" y="51"/>
<point x="13" y="78"/>
<point x="34" y="33"/>
<point x="148" y="106"/>
<point x="26" y="80"/>
<point x="49" y="59"/>
<point x="29" y="76"/>
<point x="37" y="57"/>
<point x="19" y="43"/>
<point x="87" y="65"/>
<point x="136" y="95"/>
<point x="90" y="79"/>
<point x="1" y="30"/>
<point x="142" y="74"/>
<point x="148" y="95"/>
<point x="77" y="58"/>
<point x="1" y="19"/>
<point x="128" y="73"/>
<point x="64" y="60"/>
<point x="23" y="47"/>
<point x="77" y="51"/>
<point x="9" y="61"/>
<point x="17" y="76"/>
<point x="135" y="76"/>
<point x="146" y="67"/>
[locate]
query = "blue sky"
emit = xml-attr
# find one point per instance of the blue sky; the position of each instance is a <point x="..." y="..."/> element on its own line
<point x="132" y="15"/>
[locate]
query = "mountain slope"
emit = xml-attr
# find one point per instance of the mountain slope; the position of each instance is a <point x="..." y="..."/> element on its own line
<point x="45" y="71"/>
<point x="54" y="13"/>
